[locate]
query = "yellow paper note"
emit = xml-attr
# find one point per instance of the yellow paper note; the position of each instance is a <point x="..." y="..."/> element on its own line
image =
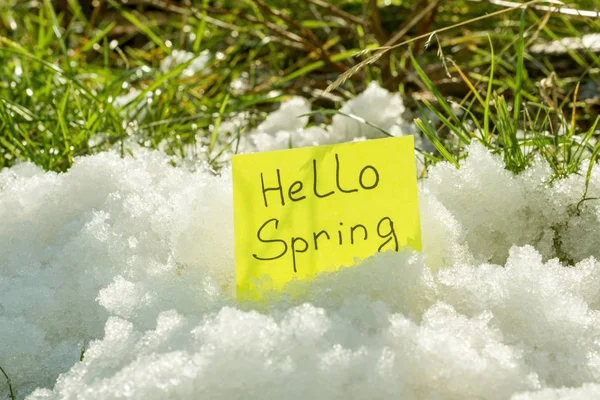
<point x="303" y="211"/>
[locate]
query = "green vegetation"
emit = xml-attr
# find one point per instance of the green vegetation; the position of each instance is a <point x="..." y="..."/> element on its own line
<point x="11" y="393"/>
<point x="469" y="63"/>
<point x="64" y="63"/>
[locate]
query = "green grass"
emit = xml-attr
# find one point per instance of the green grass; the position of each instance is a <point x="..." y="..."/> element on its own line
<point x="469" y="64"/>
<point x="62" y="66"/>
<point x="11" y="393"/>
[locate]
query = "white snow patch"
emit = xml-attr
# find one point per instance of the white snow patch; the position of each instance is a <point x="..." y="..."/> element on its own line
<point x="133" y="259"/>
<point x="285" y="128"/>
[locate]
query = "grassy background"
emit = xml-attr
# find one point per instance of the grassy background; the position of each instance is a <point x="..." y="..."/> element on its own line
<point x="63" y="62"/>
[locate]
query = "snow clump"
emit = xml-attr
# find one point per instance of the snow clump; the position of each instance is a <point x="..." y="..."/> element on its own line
<point x="285" y="128"/>
<point x="131" y="260"/>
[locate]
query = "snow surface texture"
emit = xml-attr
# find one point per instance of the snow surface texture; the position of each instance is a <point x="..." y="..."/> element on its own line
<point x="133" y="259"/>
<point x="284" y="128"/>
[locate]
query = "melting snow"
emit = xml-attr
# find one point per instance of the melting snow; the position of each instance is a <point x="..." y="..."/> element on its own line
<point x="133" y="259"/>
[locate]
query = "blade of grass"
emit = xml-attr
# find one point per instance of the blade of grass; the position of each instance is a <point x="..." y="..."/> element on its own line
<point x="442" y="101"/>
<point x="429" y="131"/>
<point x="513" y="155"/>
<point x="430" y="86"/>
<point x="520" y="70"/>
<point x="468" y="83"/>
<point x="141" y="26"/>
<point x="201" y="28"/>
<point x="11" y="393"/>
<point x="488" y="96"/>
<point x="588" y="174"/>
<point x="577" y="156"/>
<point x="77" y="11"/>
<point x="97" y="38"/>
<point x="61" y="113"/>
<point x="436" y="143"/>
<point x="215" y="132"/>
<point x="458" y="131"/>
<point x="56" y="29"/>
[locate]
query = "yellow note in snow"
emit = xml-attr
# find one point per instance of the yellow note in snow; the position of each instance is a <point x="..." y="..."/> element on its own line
<point x="303" y="211"/>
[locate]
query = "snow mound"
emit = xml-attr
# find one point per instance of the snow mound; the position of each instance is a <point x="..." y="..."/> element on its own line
<point x="131" y="260"/>
<point x="284" y="128"/>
